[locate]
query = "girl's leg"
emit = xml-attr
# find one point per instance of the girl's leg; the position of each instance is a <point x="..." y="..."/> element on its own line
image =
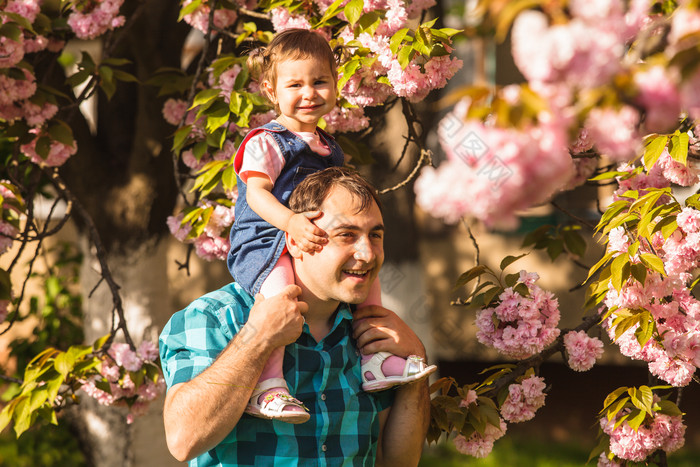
<point x="281" y="276"/>
<point x="392" y="366"/>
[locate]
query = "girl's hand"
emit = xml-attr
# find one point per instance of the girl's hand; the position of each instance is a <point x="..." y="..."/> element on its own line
<point x="305" y="233"/>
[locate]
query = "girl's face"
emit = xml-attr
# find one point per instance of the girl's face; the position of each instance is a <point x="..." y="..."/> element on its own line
<point x="304" y="93"/>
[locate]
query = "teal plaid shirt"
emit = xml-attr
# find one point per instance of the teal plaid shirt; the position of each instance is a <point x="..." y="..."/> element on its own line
<point x="344" y="425"/>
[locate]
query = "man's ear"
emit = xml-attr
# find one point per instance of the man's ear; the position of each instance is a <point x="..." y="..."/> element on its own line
<point x="292" y="247"/>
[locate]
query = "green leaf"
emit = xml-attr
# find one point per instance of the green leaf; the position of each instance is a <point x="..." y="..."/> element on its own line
<point x="331" y="11"/>
<point x="653" y="262"/>
<point x="665" y="407"/>
<point x="511" y="279"/>
<point x="61" y="132"/>
<point x="404" y="56"/>
<point x="205" y="96"/>
<point x="639" y="272"/>
<point x="508" y="260"/>
<point x="574" y="242"/>
<point x="396" y="40"/>
<point x="618" y="270"/>
<point x="124" y="76"/>
<point x="189" y="9"/>
<point x="646" y="328"/>
<point x="679" y="148"/>
<point x="11" y="31"/>
<point x="555" y="248"/>
<point x="63" y="363"/>
<point x="228" y="178"/>
<point x="610" y="398"/>
<point x="615" y="407"/>
<point x="353" y="10"/>
<point x="469" y="275"/>
<point x="181" y="137"/>
<point x="653" y="150"/>
<point x="636" y="419"/>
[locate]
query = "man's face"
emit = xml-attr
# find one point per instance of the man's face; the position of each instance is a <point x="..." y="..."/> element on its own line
<point x="348" y="264"/>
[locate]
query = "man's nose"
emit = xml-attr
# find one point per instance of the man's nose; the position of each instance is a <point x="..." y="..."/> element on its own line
<point x="363" y="250"/>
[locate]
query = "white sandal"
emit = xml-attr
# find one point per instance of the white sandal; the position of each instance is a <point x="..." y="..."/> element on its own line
<point x="273" y="405"/>
<point x="414" y="370"/>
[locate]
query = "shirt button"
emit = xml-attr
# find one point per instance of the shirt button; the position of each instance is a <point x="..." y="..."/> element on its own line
<point x="324" y="448"/>
<point x="323" y="397"/>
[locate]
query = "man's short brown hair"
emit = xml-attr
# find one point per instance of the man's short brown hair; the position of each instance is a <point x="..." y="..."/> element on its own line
<point x="310" y="194"/>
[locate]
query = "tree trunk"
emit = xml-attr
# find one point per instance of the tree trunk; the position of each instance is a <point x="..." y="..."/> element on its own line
<point x="141" y="274"/>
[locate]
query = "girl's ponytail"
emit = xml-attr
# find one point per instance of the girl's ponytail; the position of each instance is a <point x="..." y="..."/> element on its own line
<point x="257" y="62"/>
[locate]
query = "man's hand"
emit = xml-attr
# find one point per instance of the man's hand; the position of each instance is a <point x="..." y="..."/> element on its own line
<point x="305" y="233"/>
<point x="280" y="318"/>
<point x="377" y="329"/>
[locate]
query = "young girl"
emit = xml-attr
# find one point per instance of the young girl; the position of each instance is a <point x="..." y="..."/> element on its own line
<point x="297" y="73"/>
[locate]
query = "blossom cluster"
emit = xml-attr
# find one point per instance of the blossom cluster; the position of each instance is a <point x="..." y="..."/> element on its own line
<point x="493" y="173"/>
<point x="523" y="399"/>
<point x="567" y="61"/>
<point x="480" y="445"/>
<point x="127" y="378"/>
<point x="90" y="19"/>
<point x="661" y="431"/>
<point x="675" y="356"/>
<point x="520" y="326"/>
<point x="582" y="351"/>
<point x="213" y="243"/>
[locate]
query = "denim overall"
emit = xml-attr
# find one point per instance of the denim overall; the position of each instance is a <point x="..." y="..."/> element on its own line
<point x="256" y="245"/>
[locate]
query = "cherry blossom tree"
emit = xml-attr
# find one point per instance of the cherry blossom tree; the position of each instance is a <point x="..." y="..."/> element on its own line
<point x="610" y="98"/>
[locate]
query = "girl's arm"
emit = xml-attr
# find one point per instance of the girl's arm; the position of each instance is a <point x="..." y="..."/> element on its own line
<point x="299" y="226"/>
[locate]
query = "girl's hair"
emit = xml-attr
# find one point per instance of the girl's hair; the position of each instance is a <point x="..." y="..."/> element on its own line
<point x="290" y="44"/>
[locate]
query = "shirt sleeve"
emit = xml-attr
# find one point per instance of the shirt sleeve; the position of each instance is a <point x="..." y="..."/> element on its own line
<point x="262" y="154"/>
<point x="189" y="344"/>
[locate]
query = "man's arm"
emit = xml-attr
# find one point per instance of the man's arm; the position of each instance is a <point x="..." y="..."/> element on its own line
<point x="404" y="426"/>
<point x="200" y="413"/>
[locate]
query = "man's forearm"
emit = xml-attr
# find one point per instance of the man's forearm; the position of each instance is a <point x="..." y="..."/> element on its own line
<point x="200" y="413"/>
<point x="404" y="433"/>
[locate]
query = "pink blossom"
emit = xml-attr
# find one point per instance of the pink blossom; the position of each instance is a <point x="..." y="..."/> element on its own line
<point x="479" y="445"/>
<point x="681" y="174"/>
<point x="28" y="9"/>
<point x="35" y="44"/>
<point x="582" y="53"/>
<point x="282" y="19"/>
<point x="618" y="240"/>
<point x="100" y="17"/>
<point x="199" y="18"/>
<point x="518" y="326"/>
<point x="614" y="132"/>
<point x="148" y="351"/>
<point x="36" y="115"/>
<point x="584" y="167"/>
<point x="582" y="143"/>
<point x="260" y="119"/>
<point x="124" y="356"/>
<point x="211" y="248"/>
<point x="395" y="18"/>
<point x="174" y="110"/>
<point x="11" y="52"/>
<point x="582" y="350"/>
<point x="684" y="22"/>
<point x="523" y="400"/>
<point x="440" y="69"/>
<point x="416" y="7"/>
<point x="8" y="232"/>
<point x="342" y="119"/>
<point x="660" y="432"/>
<point x="493" y="173"/>
<point x="689" y="220"/>
<point x="659" y="96"/>
<point x="176" y="228"/>
<point x="13" y="90"/>
<point x="469" y="399"/>
<point x="58" y="153"/>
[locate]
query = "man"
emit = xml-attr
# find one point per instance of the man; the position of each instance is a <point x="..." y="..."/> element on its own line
<point x="214" y="350"/>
